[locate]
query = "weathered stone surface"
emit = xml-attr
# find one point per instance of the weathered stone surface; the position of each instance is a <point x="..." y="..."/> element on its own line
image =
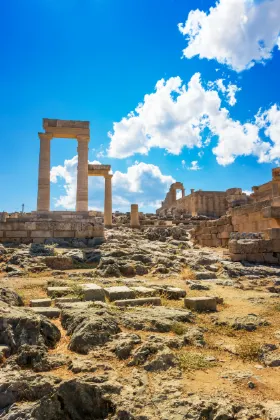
<point x="88" y="327"/>
<point x="174" y="293"/>
<point x="47" y="311"/>
<point x="92" y="291"/>
<point x="202" y="304"/>
<point x="142" y="291"/>
<point x="153" y="301"/>
<point x="37" y="358"/>
<point x="20" y="326"/>
<point x="57" y="291"/>
<point x="40" y="302"/>
<point x="119" y="293"/>
<point x="10" y="296"/>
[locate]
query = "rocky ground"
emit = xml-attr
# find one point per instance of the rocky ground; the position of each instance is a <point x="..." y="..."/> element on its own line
<point x="94" y="359"/>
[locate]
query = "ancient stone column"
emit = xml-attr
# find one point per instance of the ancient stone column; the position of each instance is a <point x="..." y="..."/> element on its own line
<point x="82" y="174"/>
<point x="108" y="201"/>
<point x="43" y="199"/>
<point x="134" y="216"/>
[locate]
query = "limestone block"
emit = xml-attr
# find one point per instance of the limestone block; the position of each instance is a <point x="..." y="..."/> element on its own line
<point x="16" y="234"/>
<point x="40" y="302"/>
<point x="64" y="234"/>
<point x="48" y="312"/>
<point x="175" y="293"/>
<point x="59" y="263"/>
<point x="237" y="257"/>
<point x="273" y="233"/>
<point x="38" y="240"/>
<point x="41" y="234"/>
<point x="58" y="291"/>
<point x="201" y="304"/>
<point x="223" y="235"/>
<point x="30" y="226"/>
<point x="60" y="302"/>
<point x="270" y="258"/>
<point x="154" y="301"/>
<point x="92" y="291"/>
<point x="276" y="245"/>
<point x="257" y="257"/>
<point x="1" y="234"/>
<point x="142" y="291"/>
<point x="119" y="293"/>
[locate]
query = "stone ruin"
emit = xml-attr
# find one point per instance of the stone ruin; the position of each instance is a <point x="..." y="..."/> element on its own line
<point x="44" y="225"/>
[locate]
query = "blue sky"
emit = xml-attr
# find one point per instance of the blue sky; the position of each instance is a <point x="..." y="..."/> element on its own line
<point x="96" y="60"/>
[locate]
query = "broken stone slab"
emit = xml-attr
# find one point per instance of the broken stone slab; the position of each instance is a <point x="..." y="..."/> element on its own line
<point x="40" y="302"/>
<point x="175" y="293"/>
<point x="154" y="301"/>
<point x="119" y="293"/>
<point x="93" y="292"/>
<point x="48" y="312"/>
<point x="201" y="304"/>
<point x="142" y="291"/>
<point x="58" y="291"/>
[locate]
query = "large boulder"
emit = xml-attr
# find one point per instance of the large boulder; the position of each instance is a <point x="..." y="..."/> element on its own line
<point x="88" y="327"/>
<point x="19" y="326"/>
<point x="10" y="296"/>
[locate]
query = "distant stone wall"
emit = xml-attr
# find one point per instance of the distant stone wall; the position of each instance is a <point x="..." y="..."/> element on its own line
<point x="256" y="217"/>
<point x="38" y="229"/>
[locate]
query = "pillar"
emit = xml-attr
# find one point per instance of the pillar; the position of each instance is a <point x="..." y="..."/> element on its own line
<point x="82" y="174"/>
<point x="134" y="216"/>
<point x="43" y="199"/>
<point x="108" y="201"/>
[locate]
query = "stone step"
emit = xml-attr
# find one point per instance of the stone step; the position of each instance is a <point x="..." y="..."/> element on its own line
<point x="40" y="302"/>
<point x="154" y="301"/>
<point x="93" y="292"/>
<point x="48" y="312"/>
<point x="119" y="293"/>
<point x="201" y="304"/>
<point x="58" y="291"/>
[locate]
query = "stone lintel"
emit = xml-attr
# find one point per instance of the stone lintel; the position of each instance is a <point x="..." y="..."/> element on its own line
<point x="66" y="128"/>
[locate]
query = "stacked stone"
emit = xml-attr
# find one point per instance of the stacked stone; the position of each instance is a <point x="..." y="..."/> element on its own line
<point x="214" y="233"/>
<point x="254" y="249"/>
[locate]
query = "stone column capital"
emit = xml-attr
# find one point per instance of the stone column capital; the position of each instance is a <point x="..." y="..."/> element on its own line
<point x="108" y="176"/>
<point x="83" y="138"/>
<point x="45" y="136"/>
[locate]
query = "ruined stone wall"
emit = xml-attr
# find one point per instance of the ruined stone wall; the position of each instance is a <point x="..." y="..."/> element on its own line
<point x="257" y="217"/>
<point x="37" y="229"/>
<point x="213" y="233"/>
<point x="254" y="217"/>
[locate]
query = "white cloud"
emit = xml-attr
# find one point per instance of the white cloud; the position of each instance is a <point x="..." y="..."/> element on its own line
<point x="237" y="33"/>
<point x="270" y="122"/>
<point x="194" y="166"/>
<point x="143" y="184"/>
<point x="175" y="116"/>
<point x="228" y="91"/>
<point x="247" y="192"/>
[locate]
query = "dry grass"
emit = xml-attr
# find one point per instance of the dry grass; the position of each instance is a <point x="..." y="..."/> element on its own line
<point x="193" y="361"/>
<point x="188" y="274"/>
<point x="178" y="328"/>
<point x="249" y="350"/>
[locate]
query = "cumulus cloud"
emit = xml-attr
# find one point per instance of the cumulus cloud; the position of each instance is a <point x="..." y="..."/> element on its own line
<point x="176" y="116"/>
<point x="237" y="33"/>
<point x="143" y="184"/>
<point x="228" y="91"/>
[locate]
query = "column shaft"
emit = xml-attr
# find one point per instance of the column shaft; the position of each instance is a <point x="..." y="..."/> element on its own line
<point x="82" y="174"/>
<point x="43" y="200"/>
<point x="134" y="216"/>
<point x="108" y="201"/>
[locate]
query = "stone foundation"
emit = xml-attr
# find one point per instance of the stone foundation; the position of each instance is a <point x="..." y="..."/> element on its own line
<point x="45" y="227"/>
